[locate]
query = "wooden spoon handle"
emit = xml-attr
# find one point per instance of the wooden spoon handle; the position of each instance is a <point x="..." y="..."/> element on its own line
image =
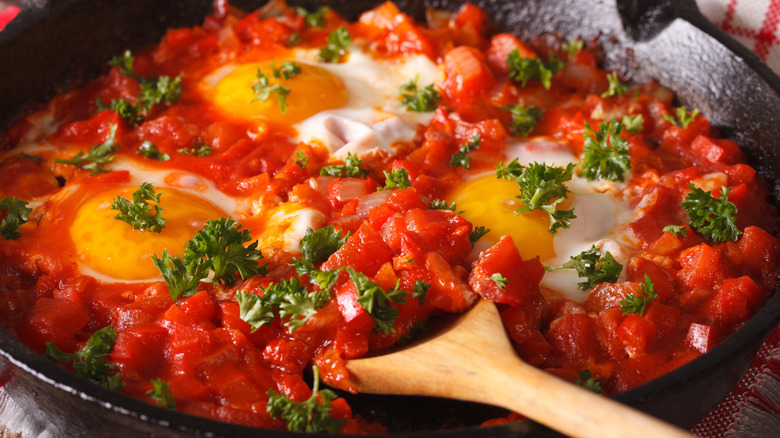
<point x="566" y="407"/>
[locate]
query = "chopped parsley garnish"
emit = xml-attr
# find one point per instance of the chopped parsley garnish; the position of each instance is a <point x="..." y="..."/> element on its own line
<point x="441" y="204"/>
<point x="541" y="188"/>
<point x="420" y="290"/>
<point x="635" y="304"/>
<point x="616" y="88"/>
<point x="634" y="123"/>
<point x="322" y="279"/>
<point x="605" y="154"/>
<point x="376" y="301"/>
<point x="17" y="213"/>
<point x="572" y="47"/>
<point x="294" y="39"/>
<point x="460" y="158"/>
<point x="524" y="118"/>
<point x="149" y="150"/>
<point x="162" y="90"/>
<point x="301" y="159"/>
<point x="499" y="280"/>
<point x="24" y="156"/>
<point x="677" y="230"/>
<point x="336" y="47"/>
<point x="98" y="155"/>
<point x="263" y="90"/>
<point x="288" y="70"/>
<point x="419" y="329"/>
<point x="586" y="381"/>
<point x="199" y="149"/>
<point x="420" y="100"/>
<point x="350" y="168"/>
<point x="313" y="19"/>
<point x="286" y="298"/>
<point x="682" y="117"/>
<point x="161" y="393"/>
<point x="89" y="361"/>
<point x="219" y="248"/>
<point x="317" y="246"/>
<point x="311" y="415"/>
<point x="396" y="179"/>
<point x="524" y="69"/>
<point x="713" y="218"/>
<point x="593" y="267"/>
<point x="138" y="212"/>
<point x="477" y="233"/>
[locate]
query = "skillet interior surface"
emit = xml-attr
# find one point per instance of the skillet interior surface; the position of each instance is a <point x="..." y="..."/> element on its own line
<point x="68" y="42"/>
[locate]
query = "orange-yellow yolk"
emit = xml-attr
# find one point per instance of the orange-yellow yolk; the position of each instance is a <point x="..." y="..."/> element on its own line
<point x="111" y="247"/>
<point x="490" y="202"/>
<point x="311" y="91"/>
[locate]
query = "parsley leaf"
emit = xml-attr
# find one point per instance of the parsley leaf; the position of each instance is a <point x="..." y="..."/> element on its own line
<point x="182" y="277"/>
<point x="541" y="188"/>
<point x="313" y="19"/>
<point x="682" y="117"/>
<point x="420" y="290"/>
<point x="524" y="118"/>
<point x="307" y="416"/>
<point x="218" y="247"/>
<point x="350" y="168"/>
<point x="263" y="90"/>
<point x="441" y="204"/>
<point x="572" y="47"/>
<point x="586" y="381"/>
<point x="677" y="230"/>
<point x="420" y="100"/>
<point x="302" y="159"/>
<point x="376" y="301"/>
<point x="98" y="155"/>
<point x="634" y="123"/>
<point x="221" y="244"/>
<point x="396" y="179"/>
<point x="138" y="213"/>
<point x="322" y="279"/>
<point x="419" y="329"/>
<point x="125" y="64"/>
<point x="317" y="246"/>
<point x="149" y="150"/>
<point x="161" y="393"/>
<point x="713" y="218"/>
<point x="126" y="110"/>
<point x="500" y="280"/>
<point x="337" y="44"/>
<point x="589" y="265"/>
<point x="287" y="298"/>
<point x="524" y="69"/>
<point x="288" y="70"/>
<point x="459" y="158"/>
<point x="477" y="233"/>
<point x="89" y="361"/>
<point x="605" y="154"/>
<point x="616" y="88"/>
<point x="635" y="303"/>
<point x="199" y="149"/>
<point x="17" y="214"/>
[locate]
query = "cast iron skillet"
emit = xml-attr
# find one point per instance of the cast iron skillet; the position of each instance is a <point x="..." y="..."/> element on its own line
<point x="67" y="42"/>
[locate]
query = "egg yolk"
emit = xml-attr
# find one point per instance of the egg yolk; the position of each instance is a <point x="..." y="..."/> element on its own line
<point x="111" y="247"/>
<point x="311" y="91"/>
<point x="490" y="202"/>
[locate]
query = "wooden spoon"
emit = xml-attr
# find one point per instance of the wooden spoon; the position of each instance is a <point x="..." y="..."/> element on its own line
<point x="473" y="360"/>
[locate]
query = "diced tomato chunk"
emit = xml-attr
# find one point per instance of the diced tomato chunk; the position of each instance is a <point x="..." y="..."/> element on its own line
<point x="365" y="251"/>
<point x="140" y="347"/>
<point x="448" y="291"/>
<point x="501" y="45"/>
<point x="52" y="320"/>
<point x="354" y="314"/>
<point x="736" y="300"/>
<point x="703" y="337"/>
<point x="574" y="337"/>
<point x="287" y="355"/>
<point x="467" y="74"/>
<point x="636" y="333"/>
<point x="712" y="150"/>
<point x="522" y="276"/>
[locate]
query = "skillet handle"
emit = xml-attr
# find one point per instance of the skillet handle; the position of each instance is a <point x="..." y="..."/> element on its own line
<point x="644" y="19"/>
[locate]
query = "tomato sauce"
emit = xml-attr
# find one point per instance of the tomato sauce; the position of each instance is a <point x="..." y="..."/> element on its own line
<point x="218" y="366"/>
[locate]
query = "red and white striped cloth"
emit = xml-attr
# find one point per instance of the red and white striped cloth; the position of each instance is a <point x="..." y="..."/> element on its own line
<point x="753" y="407"/>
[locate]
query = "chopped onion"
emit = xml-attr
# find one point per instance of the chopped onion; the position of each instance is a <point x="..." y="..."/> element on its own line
<point x="372" y="200"/>
<point x="348" y="189"/>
